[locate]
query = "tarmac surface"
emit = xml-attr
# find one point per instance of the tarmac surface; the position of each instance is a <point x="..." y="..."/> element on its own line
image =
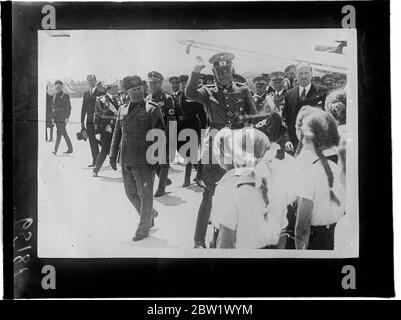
<point x="85" y="216"/>
<point x="81" y="216"/>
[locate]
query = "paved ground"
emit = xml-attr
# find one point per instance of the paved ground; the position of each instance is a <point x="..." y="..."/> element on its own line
<point x="83" y="216"/>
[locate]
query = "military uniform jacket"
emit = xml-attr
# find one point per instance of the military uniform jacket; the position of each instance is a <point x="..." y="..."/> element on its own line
<point x="224" y="106"/>
<point x="106" y="109"/>
<point x="265" y="103"/>
<point x="279" y="100"/>
<point x="191" y="114"/>
<point x="176" y="96"/>
<point x="133" y="123"/>
<point x="166" y="104"/>
<point x="61" y="106"/>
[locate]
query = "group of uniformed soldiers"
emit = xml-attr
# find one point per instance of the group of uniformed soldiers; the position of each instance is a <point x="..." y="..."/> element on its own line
<point x="198" y="101"/>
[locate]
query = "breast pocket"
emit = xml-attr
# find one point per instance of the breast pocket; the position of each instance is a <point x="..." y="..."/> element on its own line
<point x="237" y="103"/>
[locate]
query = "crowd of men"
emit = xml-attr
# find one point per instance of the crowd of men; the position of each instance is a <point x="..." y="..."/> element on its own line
<point x="124" y="112"/>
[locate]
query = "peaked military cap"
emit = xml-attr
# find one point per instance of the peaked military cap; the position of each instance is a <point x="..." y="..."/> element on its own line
<point x="58" y="82"/>
<point x="91" y="77"/>
<point x="222" y="59"/>
<point x="260" y="79"/>
<point x="316" y="79"/>
<point x="183" y="78"/>
<point x="131" y="82"/>
<point x="173" y="79"/>
<point x="155" y="76"/>
<point x="328" y="77"/>
<point x="277" y="75"/>
<point x="289" y="67"/>
<point x="266" y="75"/>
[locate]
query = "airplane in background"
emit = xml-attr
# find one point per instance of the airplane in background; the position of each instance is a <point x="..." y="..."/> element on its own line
<point x="322" y="63"/>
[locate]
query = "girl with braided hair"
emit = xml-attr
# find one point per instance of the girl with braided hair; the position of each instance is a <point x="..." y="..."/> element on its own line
<point x="321" y="196"/>
<point x="303" y="113"/>
<point x="255" y="214"/>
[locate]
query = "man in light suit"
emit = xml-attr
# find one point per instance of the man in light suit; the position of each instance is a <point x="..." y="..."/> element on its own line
<point x="304" y="93"/>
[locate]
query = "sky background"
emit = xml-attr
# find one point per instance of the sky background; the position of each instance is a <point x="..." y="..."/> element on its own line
<point x="113" y="54"/>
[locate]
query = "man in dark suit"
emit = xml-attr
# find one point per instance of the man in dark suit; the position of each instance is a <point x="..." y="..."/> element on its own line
<point x="88" y="110"/>
<point x="305" y="93"/>
<point x="61" y="114"/>
<point x="49" y="113"/>
<point x="190" y="115"/>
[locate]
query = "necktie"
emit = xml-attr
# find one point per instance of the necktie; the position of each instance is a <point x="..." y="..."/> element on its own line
<point x="303" y="94"/>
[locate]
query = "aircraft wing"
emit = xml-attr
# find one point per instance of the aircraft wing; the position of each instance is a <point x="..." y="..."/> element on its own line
<point x="320" y="61"/>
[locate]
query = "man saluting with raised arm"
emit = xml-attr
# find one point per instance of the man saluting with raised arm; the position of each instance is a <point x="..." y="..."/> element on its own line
<point x="225" y="101"/>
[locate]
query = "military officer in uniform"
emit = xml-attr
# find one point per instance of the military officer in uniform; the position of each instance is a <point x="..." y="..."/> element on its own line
<point x="209" y="79"/>
<point x="61" y="114"/>
<point x="166" y="104"/>
<point x="269" y="87"/>
<point x="175" y="87"/>
<point x="259" y="96"/>
<point x="290" y="73"/>
<point x="225" y="102"/>
<point x="316" y="80"/>
<point x="134" y="119"/>
<point x="264" y="101"/>
<point x="106" y="108"/>
<point x="145" y="88"/>
<point x="277" y="83"/>
<point x="329" y="80"/>
<point x="190" y="115"/>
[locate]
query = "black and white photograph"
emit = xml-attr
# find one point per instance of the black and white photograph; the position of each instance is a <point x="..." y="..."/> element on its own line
<point x="197" y="149"/>
<point x="256" y="135"/>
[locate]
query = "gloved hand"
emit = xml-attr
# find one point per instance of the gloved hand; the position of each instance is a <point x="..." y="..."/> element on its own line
<point x="113" y="163"/>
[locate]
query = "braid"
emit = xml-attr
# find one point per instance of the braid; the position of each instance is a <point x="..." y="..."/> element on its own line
<point x="264" y="189"/>
<point x="329" y="174"/>
<point x="300" y="145"/>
